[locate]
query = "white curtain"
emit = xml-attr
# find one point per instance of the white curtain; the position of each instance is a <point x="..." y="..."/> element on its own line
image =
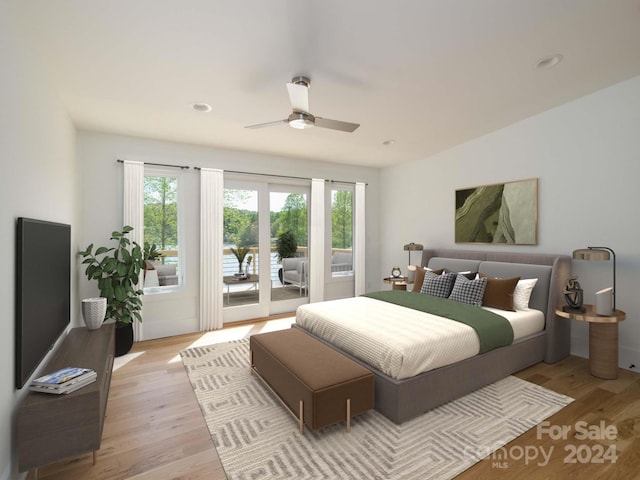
<point x="211" y="229"/>
<point x="316" y="242"/>
<point x="359" y="240"/>
<point x="133" y="216"/>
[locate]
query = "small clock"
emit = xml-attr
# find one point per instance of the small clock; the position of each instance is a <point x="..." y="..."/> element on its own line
<point x="396" y="272"/>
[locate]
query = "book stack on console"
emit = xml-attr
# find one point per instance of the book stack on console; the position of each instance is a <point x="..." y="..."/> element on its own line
<point x="65" y="380"/>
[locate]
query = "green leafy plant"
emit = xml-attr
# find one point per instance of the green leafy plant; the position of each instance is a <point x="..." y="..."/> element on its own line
<point x="150" y="254"/>
<point x="286" y="245"/>
<point x="151" y="251"/>
<point x="117" y="270"/>
<point x="240" y="253"/>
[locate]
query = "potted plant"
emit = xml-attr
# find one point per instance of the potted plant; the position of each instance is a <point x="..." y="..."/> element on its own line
<point x="117" y="270"/>
<point x="286" y="247"/>
<point x="150" y="254"/>
<point x="240" y="253"/>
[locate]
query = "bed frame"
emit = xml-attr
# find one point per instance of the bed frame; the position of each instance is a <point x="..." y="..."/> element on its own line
<point x="401" y="400"/>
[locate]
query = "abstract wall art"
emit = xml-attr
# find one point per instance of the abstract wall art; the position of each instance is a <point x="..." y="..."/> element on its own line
<point x="503" y="213"/>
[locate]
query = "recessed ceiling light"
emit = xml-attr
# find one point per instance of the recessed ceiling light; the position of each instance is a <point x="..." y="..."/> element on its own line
<point x="549" y="61"/>
<point x="201" y="107"/>
<point x="388" y="142"/>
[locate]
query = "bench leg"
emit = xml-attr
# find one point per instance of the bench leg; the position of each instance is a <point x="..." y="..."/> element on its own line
<point x="348" y="415"/>
<point x="301" y="418"/>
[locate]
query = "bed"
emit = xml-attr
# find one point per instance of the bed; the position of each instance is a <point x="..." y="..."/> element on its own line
<point x="402" y="395"/>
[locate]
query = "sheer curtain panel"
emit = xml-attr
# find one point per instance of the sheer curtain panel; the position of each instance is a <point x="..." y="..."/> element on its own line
<point x="211" y="229"/>
<point x="359" y="240"/>
<point x="316" y="241"/>
<point x="133" y="216"/>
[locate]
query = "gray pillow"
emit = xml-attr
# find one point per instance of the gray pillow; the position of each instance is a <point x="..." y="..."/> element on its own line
<point x="468" y="291"/>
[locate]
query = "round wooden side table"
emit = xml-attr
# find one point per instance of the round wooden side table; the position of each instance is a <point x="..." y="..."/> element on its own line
<point x="397" y="283"/>
<point x="603" y="339"/>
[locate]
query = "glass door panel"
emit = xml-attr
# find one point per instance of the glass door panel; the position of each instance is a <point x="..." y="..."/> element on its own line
<point x="241" y="254"/>
<point x="289" y="228"/>
<point x="341" y="232"/>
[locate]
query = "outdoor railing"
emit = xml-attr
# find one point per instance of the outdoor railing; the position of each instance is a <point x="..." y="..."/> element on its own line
<point x="230" y="262"/>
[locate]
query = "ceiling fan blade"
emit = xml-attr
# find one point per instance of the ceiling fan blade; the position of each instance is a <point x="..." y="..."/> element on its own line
<point x="336" y="124"/>
<point x="268" y="124"/>
<point x="299" y="96"/>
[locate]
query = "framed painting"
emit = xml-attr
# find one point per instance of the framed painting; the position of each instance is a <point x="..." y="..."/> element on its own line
<point x="502" y="213"/>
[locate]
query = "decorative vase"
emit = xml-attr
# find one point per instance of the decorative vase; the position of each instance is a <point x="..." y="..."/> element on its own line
<point x="124" y="339"/>
<point x="93" y="311"/>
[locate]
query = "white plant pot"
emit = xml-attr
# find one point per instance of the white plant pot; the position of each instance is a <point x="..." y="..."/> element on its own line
<point x="93" y="312"/>
<point x="151" y="279"/>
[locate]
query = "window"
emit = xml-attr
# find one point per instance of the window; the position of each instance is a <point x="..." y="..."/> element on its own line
<point x="341" y="231"/>
<point x="162" y="229"/>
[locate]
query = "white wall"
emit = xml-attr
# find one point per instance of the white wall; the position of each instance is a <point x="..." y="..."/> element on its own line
<point x="101" y="179"/>
<point x="586" y="155"/>
<point x="37" y="151"/>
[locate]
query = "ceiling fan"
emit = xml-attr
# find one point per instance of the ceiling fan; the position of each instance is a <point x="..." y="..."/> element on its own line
<point x="300" y="117"/>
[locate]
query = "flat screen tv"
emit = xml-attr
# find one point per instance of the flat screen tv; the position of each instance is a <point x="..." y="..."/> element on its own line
<point x="43" y="291"/>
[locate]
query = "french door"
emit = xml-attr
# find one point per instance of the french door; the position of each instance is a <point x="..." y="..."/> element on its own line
<point x="289" y="227"/>
<point x="256" y="214"/>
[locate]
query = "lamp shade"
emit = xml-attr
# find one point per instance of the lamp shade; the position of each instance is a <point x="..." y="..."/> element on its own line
<point x="592" y="254"/>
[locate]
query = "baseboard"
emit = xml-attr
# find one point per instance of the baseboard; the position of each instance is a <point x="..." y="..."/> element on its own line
<point x="6" y="473"/>
<point x="628" y="358"/>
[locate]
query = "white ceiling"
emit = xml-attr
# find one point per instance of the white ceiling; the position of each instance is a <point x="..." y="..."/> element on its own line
<point x="429" y="74"/>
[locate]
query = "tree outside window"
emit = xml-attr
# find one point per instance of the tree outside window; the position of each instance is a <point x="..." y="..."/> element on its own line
<point x="342" y="219"/>
<point x="161" y="221"/>
<point x="291" y="218"/>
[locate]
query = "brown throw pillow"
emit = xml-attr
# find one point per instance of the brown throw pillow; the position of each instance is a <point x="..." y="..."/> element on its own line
<point x="419" y="277"/>
<point x="499" y="292"/>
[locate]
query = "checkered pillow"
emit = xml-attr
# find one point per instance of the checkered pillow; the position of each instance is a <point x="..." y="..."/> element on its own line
<point x="468" y="291"/>
<point x="438" y="285"/>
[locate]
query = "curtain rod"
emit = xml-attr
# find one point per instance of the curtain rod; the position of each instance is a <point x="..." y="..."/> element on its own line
<point x="186" y="167"/>
<point x="280" y="176"/>
<point x="182" y="167"/>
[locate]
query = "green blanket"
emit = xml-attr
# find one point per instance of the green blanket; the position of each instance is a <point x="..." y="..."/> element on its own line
<point x="493" y="330"/>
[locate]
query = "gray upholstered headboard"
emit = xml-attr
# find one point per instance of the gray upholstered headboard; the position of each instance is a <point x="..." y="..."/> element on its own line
<point x="552" y="272"/>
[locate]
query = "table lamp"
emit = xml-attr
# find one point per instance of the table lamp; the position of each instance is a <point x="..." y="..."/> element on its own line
<point x="412" y="247"/>
<point x="594" y="254"/>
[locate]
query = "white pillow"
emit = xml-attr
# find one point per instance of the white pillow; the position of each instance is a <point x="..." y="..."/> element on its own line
<point x="522" y="293"/>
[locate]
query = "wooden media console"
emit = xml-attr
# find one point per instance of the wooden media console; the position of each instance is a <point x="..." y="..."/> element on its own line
<point x="56" y="427"/>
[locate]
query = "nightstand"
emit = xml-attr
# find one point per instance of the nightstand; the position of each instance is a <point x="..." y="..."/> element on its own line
<point x="603" y="339"/>
<point x="397" y="283"/>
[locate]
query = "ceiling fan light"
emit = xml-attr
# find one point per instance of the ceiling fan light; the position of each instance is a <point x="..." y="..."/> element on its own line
<point x="301" y="124"/>
<point x="301" y="120"/>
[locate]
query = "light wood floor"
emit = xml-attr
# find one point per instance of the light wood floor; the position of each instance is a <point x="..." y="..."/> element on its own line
<point x="154" y="428"/>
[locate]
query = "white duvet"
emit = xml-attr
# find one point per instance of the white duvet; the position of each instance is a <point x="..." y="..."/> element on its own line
<point x="399" y="341"/>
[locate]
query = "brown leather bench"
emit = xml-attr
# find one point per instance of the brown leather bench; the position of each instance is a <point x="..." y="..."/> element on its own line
<point x="318" y="385"/>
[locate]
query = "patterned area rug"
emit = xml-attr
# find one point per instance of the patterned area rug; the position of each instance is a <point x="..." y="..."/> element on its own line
<point x="256" y="438"/>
